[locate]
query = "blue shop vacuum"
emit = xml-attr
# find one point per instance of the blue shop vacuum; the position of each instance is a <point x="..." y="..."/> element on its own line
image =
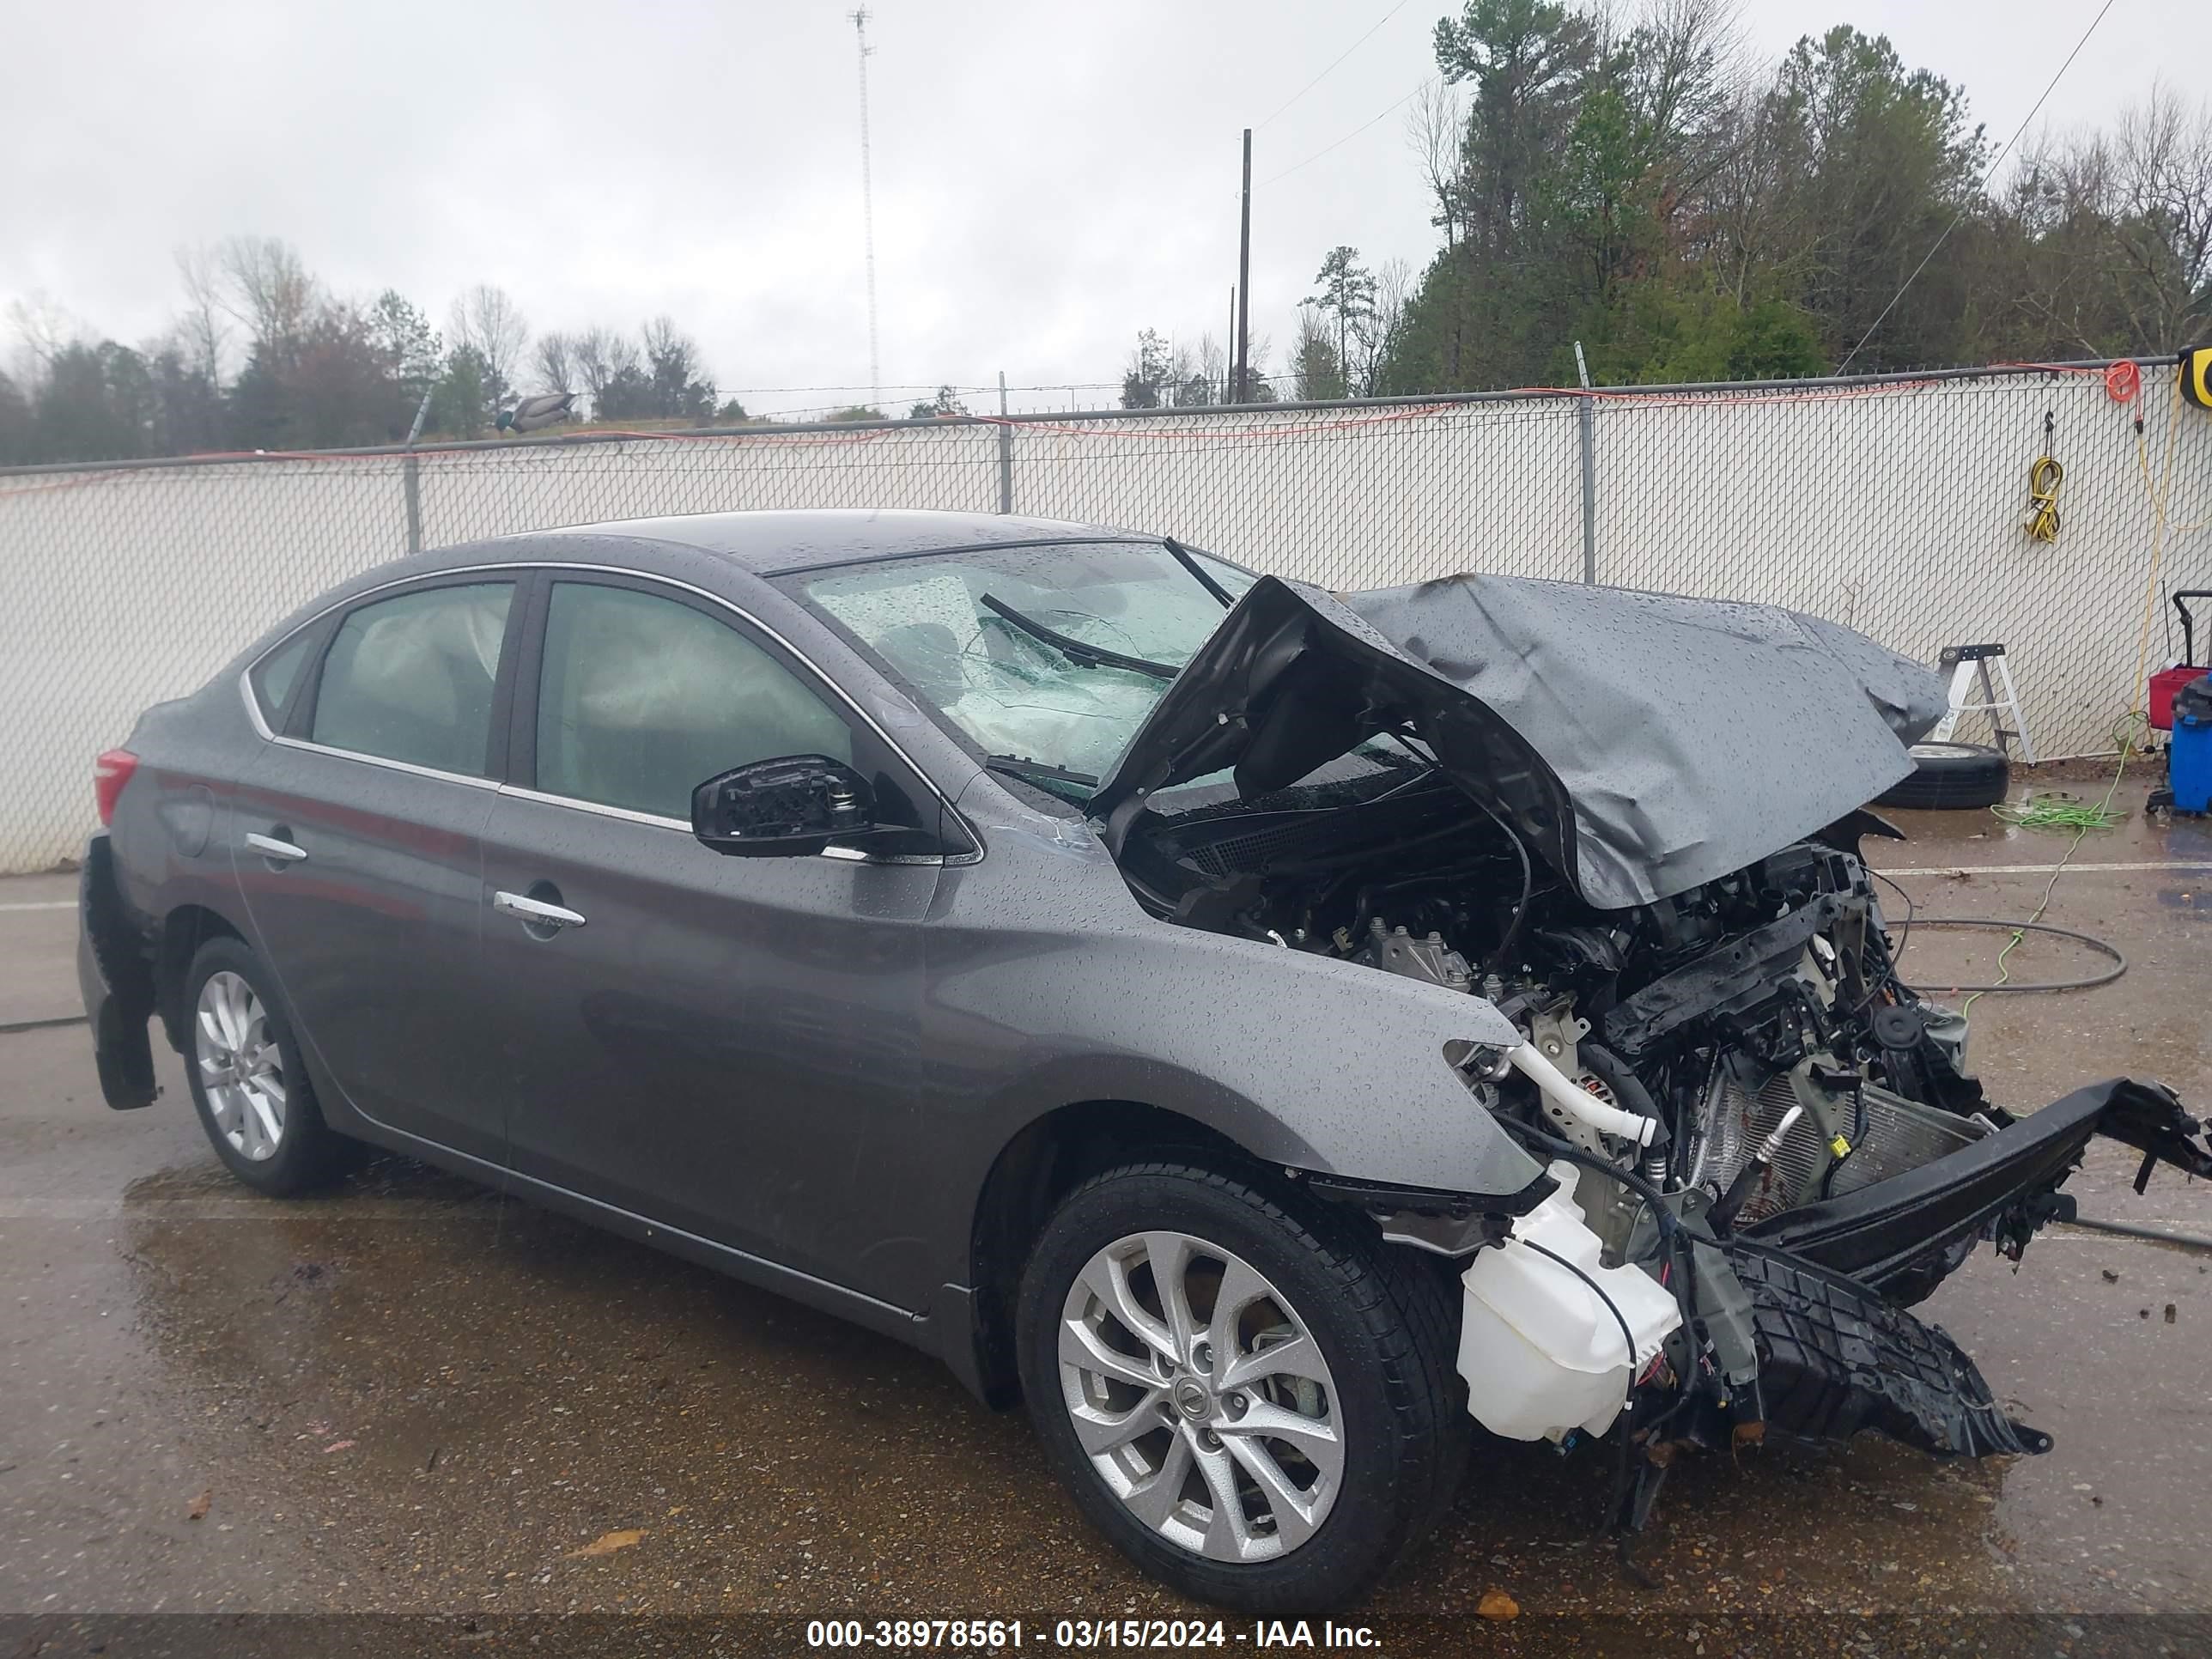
<point x="2189" y="758"/>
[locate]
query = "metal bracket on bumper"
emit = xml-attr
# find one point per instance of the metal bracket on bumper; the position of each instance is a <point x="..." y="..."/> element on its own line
<point x="2004" y="1183"/>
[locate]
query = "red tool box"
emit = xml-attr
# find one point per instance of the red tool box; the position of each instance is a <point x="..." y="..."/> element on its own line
<point x="2167" y="681"/>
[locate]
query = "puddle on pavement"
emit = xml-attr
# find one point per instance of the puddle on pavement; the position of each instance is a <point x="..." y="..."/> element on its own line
<point x="451" y="1405"/>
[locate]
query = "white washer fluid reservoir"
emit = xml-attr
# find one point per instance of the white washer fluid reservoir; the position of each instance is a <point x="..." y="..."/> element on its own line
<point x="1540" y="1353"/>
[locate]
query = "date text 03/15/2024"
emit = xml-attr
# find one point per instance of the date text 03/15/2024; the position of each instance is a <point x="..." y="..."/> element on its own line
<point x="1001" y="1635"/>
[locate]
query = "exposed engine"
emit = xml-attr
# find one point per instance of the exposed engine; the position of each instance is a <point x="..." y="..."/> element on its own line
<point x="1757" y="1146"/>
<point x="1758" y="1019"/>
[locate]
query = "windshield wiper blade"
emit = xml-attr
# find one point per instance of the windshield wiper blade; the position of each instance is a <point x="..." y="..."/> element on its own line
<point x="1182" y="557"/>
<point x="1077" y="652"/>
<point x="1014" y="766"/>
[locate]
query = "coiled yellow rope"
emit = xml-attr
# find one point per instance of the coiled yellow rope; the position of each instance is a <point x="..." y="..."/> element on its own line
<point x="2043" y="479"/>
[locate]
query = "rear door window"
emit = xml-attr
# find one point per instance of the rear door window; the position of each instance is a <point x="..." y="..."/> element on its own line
<point x="410" y="678"/>
<point x="643" y="699"/>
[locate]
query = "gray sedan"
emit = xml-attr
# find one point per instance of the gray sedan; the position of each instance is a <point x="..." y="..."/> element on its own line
<point x="1270" y="1033"/>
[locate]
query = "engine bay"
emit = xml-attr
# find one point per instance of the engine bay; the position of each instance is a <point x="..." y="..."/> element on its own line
<point x="1767" y="1146"/>
<point x="1764" y="1007"/>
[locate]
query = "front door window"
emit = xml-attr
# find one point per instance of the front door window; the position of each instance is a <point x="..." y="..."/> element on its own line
<point x="645" y="698"/>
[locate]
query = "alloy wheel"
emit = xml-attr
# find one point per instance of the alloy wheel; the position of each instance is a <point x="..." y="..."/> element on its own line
<point x="241" y="1070"/>
<point x="1201" y="1397"/>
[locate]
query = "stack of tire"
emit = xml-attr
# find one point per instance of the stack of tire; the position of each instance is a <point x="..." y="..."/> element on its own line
<point x="1949" y="775"/>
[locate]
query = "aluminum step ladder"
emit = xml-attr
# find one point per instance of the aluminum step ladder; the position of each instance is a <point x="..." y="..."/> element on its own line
<point x="1966" y="665"/>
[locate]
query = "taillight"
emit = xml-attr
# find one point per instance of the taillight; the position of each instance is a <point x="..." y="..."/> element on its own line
<point x="109" y="773"/>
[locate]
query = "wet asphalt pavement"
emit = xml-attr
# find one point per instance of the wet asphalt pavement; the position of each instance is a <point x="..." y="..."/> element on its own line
<point x="413" y="1397"/>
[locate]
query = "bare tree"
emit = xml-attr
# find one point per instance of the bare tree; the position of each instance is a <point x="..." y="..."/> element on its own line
<point x="590" y="351"/>
<point x="2162" y="158"/>
<point x="44" y="329"/>
<point x="2103" y="241"/>
<point x="555" y="361"/>
<point x="1259" y="388"/>
<point x="2057" y="196"/>
<point x="1434" y="127"/>
<point x="1749" y="215"/>
<point x="1693" y="57"/>
<point x="682" y="389"/>
<point x="202" y="332"/>
<point x="268" y="289"/>
<point x="1393" y="289"/>
<point x="1184" y="387"/>
<point x="1213" y="368"/>
<point x="488" y="322"/>
<point x="666" y="344"/>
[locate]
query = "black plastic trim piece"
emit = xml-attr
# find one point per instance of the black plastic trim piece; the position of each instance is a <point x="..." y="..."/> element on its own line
<point x="1835" y="1359"/>
<point x="1384" y="1199"/>
<point x="1879" y="1232"/>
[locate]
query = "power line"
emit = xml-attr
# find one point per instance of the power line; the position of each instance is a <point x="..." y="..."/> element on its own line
<point x="1992" y="172"/>
<point x="1356" y="131"/>
<point x="1340" y="57"/>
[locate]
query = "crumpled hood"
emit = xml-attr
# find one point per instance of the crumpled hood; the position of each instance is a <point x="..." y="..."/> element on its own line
<point x="1644" y="743"/>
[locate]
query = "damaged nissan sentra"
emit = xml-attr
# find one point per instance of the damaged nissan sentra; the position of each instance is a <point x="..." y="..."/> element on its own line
<point x="1271" y="1031"/>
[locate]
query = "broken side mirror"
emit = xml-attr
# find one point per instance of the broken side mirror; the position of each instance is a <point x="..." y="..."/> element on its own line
<point x="791" y="807"/>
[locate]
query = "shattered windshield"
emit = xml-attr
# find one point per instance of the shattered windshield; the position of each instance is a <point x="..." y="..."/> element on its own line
<point x="1048" y="658"/>
<point x="970" y="634"/>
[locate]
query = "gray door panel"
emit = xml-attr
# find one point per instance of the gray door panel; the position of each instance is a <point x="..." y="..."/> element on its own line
<point x="723" y="1044"/>
<point x="373" y="933"/>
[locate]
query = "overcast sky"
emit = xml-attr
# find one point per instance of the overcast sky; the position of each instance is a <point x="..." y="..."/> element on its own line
<point x="1048" y="178"/>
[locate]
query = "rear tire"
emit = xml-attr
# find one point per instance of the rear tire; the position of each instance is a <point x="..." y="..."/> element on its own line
<point x="1951" y="775"/>
<point x="1346" y="1344"/>
<point x="248" y="1083"/>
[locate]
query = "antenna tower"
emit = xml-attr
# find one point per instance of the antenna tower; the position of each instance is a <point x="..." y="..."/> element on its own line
<point x="868" y="210"/>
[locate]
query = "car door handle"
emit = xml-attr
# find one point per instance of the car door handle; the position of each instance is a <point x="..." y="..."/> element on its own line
<point x="535" y="912"/>
<point x="275" y="851"/>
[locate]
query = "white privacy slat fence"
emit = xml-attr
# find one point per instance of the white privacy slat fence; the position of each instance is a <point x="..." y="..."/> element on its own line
<point x="1894" y="505"/>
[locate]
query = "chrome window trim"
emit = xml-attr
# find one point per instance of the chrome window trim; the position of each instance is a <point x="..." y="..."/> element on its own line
<point x="252" y="702"/>
<point x="628" y="815"/>
<point x="517" y="570"/>
<point x="386" y="761"/>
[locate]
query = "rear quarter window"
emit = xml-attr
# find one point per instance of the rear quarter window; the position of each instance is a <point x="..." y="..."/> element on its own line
<point x="277" y="676"/>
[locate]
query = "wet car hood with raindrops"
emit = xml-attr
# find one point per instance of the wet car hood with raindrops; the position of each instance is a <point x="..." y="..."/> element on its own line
<point x="1645" y="743"/>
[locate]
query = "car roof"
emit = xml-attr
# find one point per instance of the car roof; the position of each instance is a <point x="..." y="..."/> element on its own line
<point x="776" y="542"/>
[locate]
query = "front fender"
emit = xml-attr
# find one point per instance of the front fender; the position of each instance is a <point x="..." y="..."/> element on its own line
<point x="1304" y="1060"/>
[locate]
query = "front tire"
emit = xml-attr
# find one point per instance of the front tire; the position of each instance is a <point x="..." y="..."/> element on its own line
<point x="1253" y="1398"/>
<point x="248" y="1084"/>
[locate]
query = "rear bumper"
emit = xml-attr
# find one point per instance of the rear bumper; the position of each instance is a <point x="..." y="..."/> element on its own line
<point x="2004" y="1186"/>
<point x="116" y="978"/>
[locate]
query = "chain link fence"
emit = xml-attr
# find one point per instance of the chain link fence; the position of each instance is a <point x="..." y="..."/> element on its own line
<point x="1893" y="504"/>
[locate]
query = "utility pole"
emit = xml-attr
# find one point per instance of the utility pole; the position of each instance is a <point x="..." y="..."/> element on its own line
<point x="1586" y="419"/>
<point x="1244" y="283"/>
<point x="411" y="480"/>
<point x="868" y="211"/>
<point x="1229" y="351"/>
<point x="1006" y="450"/>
